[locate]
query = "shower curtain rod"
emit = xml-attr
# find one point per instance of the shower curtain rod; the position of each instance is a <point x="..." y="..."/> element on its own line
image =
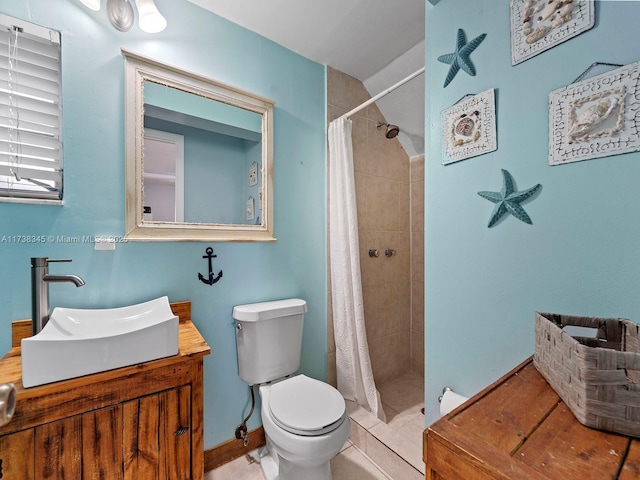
<point x="383" y="93"/>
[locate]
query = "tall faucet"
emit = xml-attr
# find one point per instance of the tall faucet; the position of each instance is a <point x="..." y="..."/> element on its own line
<point x="40" y="279"/>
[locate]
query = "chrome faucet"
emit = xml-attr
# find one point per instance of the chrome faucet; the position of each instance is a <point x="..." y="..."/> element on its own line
<point x="40" y="279"/>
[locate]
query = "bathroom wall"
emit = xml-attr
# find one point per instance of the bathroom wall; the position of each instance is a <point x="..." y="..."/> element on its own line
<point x="93" y="89"/>
<point x="580" y="256"/>
<point x="383" y="197"/>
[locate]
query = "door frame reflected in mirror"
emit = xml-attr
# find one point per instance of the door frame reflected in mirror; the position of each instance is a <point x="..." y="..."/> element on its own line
<point x="169" y="148"/>
<point x="140" y="69"/>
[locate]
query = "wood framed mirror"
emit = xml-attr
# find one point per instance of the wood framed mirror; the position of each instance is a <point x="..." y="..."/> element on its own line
<point x="199" y="157"/>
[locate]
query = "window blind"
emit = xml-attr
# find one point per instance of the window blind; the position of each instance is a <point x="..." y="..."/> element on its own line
<point x="30" y="111"/>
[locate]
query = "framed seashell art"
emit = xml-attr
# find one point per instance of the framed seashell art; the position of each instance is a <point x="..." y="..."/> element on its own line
<point x="538" y="25"/>
<point x="596" y="117"/>
<point x="469" y="127"/>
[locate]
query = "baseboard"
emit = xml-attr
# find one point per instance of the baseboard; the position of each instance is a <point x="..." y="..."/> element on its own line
<point x="232" y="449"/>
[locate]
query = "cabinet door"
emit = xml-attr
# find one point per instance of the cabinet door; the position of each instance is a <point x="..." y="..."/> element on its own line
<point x="157" y="436"/>
<point x="16" y="456"/>
<point x="102" y="444"/>
<point x="58" y="449"/>
<point x="148" y="438"/>
<point x="175" y="411"/>
<point x="87" y="446"/>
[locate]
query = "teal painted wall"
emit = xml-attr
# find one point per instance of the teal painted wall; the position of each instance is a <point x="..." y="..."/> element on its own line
<point x="93" y="129"/>
<point x="580" y="256"/>
<point x="214" y="167"/>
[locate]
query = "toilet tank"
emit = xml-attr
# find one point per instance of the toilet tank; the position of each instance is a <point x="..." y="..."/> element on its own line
<point x="269" y="339"/>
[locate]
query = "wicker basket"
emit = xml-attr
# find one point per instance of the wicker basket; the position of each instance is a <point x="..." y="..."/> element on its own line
<point x="597" y="378"/>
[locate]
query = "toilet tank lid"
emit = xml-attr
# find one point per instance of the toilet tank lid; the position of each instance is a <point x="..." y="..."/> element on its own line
<point x="255" y="312"/>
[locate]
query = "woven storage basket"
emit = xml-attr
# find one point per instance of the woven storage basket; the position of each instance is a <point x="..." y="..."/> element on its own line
<point x="597" y="378"/>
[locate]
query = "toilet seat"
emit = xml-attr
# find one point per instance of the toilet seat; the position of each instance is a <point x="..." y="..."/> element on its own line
<point x="305" y="406"/>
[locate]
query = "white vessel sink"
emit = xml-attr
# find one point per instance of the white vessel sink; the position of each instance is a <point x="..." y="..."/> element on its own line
<point x="77" y="342"/>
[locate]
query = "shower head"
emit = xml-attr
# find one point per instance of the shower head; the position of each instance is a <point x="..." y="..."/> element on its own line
<point x="392" y="130"/>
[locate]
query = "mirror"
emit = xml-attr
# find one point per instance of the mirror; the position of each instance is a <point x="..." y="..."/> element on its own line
<point x="199" y="157"/>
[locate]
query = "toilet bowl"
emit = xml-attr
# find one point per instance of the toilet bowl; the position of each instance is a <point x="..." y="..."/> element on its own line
<point x="305" y="420"/>
<point x="305" y="424"/>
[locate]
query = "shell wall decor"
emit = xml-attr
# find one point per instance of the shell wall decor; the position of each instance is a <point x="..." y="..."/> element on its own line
<point x="538" y="25"/>
<point x="597" y="117"/>
<point x="469" y="128"/>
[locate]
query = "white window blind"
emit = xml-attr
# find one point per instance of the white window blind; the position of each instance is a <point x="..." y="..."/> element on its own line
<point x="30" y="111"/>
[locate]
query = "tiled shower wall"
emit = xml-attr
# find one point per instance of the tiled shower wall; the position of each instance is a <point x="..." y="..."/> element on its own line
<point x="417" y="264"/>
<point x="384" y="191"/>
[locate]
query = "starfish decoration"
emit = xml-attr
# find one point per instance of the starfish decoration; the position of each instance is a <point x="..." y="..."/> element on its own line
<point x="508" y="201"/>
<point x="460" y="58"/>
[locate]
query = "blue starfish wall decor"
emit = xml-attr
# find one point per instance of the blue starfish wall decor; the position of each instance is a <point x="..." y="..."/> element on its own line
<point x="508" y="201"/>
<point x="460" y="58"/>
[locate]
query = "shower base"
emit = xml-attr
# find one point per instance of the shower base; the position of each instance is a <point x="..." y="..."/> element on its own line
<point x="396" y="446"/>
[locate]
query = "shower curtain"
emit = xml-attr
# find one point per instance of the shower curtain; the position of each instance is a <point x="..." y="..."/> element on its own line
<point x="353" y="364"/>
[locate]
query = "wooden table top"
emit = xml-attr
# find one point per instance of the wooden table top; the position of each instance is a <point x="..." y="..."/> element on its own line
<point x="519" y="428"/>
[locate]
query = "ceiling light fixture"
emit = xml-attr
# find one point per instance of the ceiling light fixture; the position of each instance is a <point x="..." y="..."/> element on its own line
<point x="92" y="4"/>
<point x="121" y="14"/>
<point x="150" y="19"/>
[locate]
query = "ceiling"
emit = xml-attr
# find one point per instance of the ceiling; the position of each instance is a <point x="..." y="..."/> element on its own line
<point x="379" y="42"/>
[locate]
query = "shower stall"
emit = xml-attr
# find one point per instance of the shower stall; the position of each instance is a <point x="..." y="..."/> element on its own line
<point x="389" y="197"/>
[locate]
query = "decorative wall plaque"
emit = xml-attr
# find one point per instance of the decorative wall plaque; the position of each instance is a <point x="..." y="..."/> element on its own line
<point x="469" y="128"/>
<point x="596" y="117"/>
<point x="538" y="25"/>
<point x="253" y="174"/>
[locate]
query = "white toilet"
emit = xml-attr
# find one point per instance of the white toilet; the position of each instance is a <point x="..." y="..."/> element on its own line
<point x="305" y="420"/>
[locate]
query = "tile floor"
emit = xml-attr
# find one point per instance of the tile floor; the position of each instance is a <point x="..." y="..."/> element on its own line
<point x="375" y="450"/>
<point x="349" y="464"/>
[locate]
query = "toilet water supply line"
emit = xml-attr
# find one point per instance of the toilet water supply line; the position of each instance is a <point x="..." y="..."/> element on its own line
<point x="241" y="431"/>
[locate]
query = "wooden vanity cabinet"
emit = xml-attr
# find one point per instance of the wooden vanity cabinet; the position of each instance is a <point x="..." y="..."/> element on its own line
<point x="132" y="423"/>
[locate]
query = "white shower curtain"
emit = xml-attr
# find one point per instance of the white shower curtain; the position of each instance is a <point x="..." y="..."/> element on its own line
<point x="353" y="364"/>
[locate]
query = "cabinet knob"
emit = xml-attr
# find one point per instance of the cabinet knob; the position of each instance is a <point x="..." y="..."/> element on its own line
<point x="7" y="403"/>
<point x="181" y="431"/>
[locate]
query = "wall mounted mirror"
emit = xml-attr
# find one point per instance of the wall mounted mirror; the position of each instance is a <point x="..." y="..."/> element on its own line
<point x="199" y="157"/>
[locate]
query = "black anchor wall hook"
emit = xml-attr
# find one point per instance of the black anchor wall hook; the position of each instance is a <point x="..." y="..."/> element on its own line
<point x="211" y="280"/>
